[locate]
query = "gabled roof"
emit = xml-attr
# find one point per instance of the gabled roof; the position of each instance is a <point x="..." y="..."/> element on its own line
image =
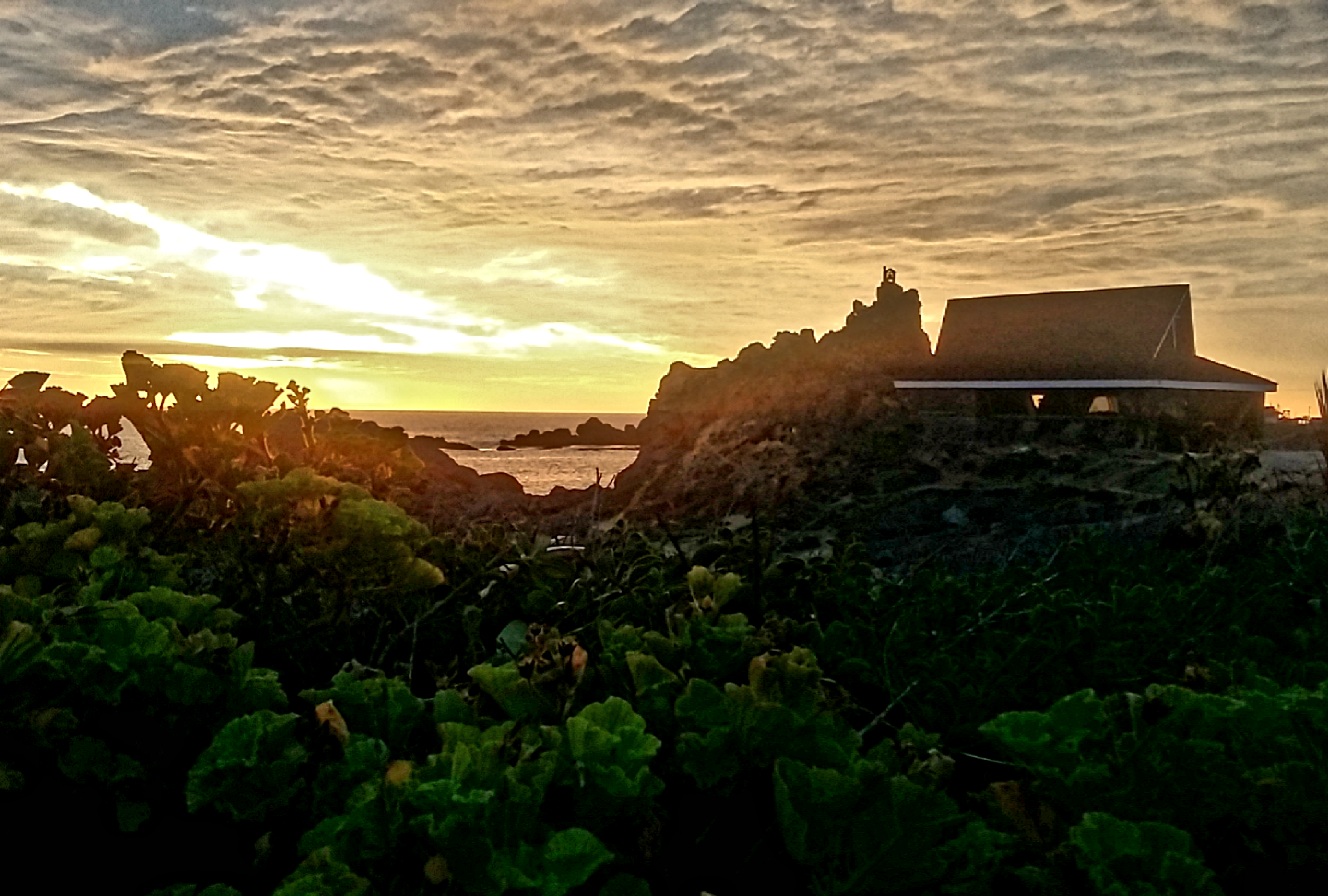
<point x="1089" y="329"/>
<point x="1130" y="334"/>
<point x="1212" y="371"/>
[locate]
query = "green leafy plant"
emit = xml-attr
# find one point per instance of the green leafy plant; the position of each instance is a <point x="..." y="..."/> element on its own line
<point x="777" y="714"/>
<point x="612" y="751"/>
<point x="1122" y="857"/>
<point x="114" y="679"/>
<point x="252" y="768"/>
<point x="1240" y="771"/>
<point x="865" y="829"/>
<point x="734" y="709"/>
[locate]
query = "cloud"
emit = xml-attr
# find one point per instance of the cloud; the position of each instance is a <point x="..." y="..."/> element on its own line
<point x="415" y="324"/>
<point x="154" y="24"/>
<point x="255" y="269"/>
<point x="524" y="268"/>
<point x="419" y="340"/>
<point x="241" y="362"/>
<point x="64" y="222"/>
<point x="704" y="171"/>
<point x="434" y="340"/>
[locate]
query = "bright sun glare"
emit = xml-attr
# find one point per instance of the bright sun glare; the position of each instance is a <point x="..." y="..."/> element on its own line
<point x="408" y="322"/>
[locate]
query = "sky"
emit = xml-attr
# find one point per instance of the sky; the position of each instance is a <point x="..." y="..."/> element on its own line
<point x="493" y="205"/>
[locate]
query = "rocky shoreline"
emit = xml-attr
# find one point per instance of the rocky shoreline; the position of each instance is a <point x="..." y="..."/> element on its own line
<point x="805" y="431"/>
<point x="592" y="433"/>
<point x="808" y="433"/>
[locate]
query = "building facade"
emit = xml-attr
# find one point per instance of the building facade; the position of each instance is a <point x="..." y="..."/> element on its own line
<point x="1124" y="350"/>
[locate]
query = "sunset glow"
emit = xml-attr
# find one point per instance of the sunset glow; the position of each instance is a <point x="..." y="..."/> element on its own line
<point x="542" y="205"/>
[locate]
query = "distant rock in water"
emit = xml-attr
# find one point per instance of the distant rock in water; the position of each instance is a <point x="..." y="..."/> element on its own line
<point x="444" y="444"/>
<point x="777" y="421"/>
<point x="594" y="432"/>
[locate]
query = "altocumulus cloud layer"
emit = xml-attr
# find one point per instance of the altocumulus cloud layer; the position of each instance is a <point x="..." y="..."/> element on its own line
<point x="485" y="204"/>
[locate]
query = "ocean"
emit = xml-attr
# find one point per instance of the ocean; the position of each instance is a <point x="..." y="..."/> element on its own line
<point x="538" y="470"/>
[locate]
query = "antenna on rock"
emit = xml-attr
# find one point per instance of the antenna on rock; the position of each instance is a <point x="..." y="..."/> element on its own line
<point x="888" y="275"/>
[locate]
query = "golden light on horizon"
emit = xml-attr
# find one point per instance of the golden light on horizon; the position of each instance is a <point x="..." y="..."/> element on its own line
<point x="382" y="319"/>
<point x="508" y="203"/>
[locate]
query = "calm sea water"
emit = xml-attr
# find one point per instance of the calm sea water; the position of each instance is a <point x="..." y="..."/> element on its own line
<point x="538" y="470"/>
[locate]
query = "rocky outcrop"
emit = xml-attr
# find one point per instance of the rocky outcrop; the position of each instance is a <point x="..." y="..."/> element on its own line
<point x="889" y="328"/>
<point x="592" y="433"/>
<point x="779" y="422"/>
<point x="446" y="444"/>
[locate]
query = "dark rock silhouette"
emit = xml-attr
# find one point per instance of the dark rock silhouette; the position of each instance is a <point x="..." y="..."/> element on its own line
<point x="892" y="326"/>
<point x="593" y="432"/>
<point x="778" y="420"/>
<point x="447" y="444"/>
<point x="810" y="435"/>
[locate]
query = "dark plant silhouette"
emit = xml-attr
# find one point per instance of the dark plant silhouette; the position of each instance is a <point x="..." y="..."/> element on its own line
<point x="204" y="441"/>
<point x="195" y="433"/>
<point x="64" y="446"/>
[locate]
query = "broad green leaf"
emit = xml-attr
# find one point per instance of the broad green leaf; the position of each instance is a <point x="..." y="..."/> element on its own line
<point x="1145" y="858"/>
<point x="130" y="815"/>
<point x="252" y="768"/>
<point x="10" y="778"/>
<point x="511" y="690"/>
<point x="379" y="707"/>
<point x="648" y="673"/>
<point x="451" y="706"/>
<point x="90" y="759"/>
<point x="863" y="830"/>
<point x="188" y="610"/>
<point x="612" y="751"/>
<point x="512" y="640"/>
<point x="1051" y="742"/>
<point x="322" y="875"/>
<point x="568" y="860"/>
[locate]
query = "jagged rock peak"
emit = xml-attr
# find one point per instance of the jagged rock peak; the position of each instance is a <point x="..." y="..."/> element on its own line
<point x="778" y="417"/>
<point x="891" y="325"/>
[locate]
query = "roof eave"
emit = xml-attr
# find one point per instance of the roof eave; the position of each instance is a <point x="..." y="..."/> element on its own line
<point x="1106" y="385"/>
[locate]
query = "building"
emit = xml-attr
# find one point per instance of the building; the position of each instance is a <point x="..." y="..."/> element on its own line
<point x="1126" y="350"/>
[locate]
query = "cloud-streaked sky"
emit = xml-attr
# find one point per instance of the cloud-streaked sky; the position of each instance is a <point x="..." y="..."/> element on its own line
<point x="540" y="205"/>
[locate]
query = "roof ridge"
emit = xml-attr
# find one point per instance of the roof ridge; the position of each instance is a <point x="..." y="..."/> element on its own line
<point x="1064" y="292"/>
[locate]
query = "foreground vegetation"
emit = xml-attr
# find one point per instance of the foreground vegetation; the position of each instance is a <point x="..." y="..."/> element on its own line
<point x="232" y="674"/>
